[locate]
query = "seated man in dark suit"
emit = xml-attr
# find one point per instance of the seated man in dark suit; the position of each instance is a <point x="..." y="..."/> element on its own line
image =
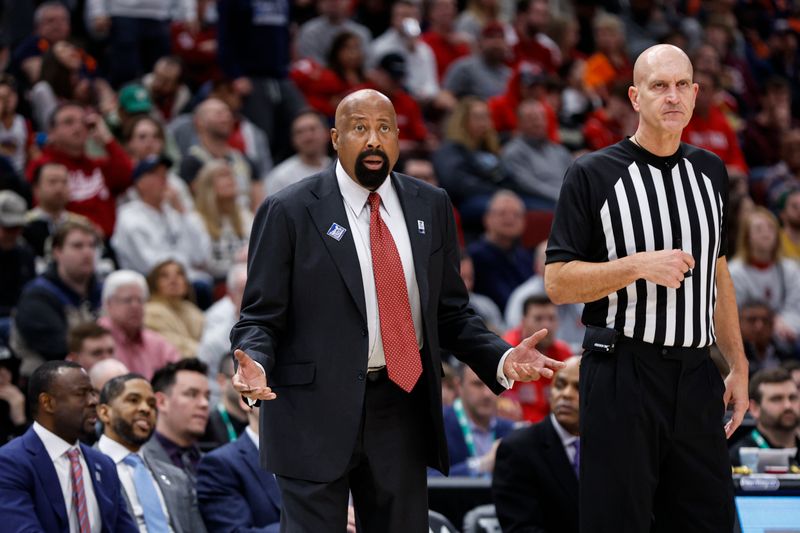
<point x="51" y="481"/>
<point x="535" y="483"/>
<point x="775" y="406"/>
<point x="235" y="493"/>
<point x="159" y="495"/>
<point x="473" y="428"/>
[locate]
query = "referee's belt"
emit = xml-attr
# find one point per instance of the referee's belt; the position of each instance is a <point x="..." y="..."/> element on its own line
<point x="608" y="340"/>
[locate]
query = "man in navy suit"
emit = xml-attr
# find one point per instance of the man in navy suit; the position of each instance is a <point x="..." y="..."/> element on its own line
<point x="50" y="480"/>
<point x="234" y="492"/>
<point x="535" y="483"/>
<point x="473" y="428"/>
<point x="353" y="287"/>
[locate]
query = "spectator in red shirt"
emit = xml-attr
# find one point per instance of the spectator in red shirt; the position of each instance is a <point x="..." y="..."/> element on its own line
<point x="447" y="44"/>
<point x="612" y="122"/>
<point x="539" y="312"/>
<point x="94" y="183"/>
<point x="709" y="128"/>
<point x="197" y="48"/>
<point x="387" y="77"/>
<point x="323" y="87"/>
<point x="527" y="82"/>
<point x="534" y="46"/>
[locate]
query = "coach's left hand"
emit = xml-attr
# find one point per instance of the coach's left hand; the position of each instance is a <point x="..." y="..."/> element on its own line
<point x="736" y="395"/>
<point x="526" y="363"/>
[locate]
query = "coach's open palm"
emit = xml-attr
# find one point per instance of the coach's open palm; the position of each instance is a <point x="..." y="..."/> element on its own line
<point x="526" y="363"/>
<point x="250" y="380"/>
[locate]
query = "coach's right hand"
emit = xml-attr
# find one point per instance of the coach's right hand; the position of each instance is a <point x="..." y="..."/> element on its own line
<point x="250" y="380"/>
<point x="665" y="267"/>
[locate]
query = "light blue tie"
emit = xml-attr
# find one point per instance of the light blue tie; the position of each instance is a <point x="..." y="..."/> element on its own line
<point x="147" y="493"/>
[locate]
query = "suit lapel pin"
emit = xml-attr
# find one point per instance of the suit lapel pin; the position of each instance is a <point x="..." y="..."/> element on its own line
<point x="165" y="480"/>
<point x="336" y="231"/>
<point x="97" y="476"/>
<point x="421" y="227"/>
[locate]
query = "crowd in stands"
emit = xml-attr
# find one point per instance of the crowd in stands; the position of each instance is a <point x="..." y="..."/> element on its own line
<point x="139" y="137"/>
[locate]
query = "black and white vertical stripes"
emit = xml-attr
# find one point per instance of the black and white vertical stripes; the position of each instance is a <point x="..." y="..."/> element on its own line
<point x="644" y="203"/>
<point x="635" y="221"/>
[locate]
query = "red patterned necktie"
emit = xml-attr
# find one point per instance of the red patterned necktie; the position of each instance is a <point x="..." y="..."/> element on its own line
<point x="78" y="494"/>
<point x="397" y="327"/>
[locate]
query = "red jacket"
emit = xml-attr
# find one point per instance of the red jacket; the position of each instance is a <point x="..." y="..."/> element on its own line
<point x="714" y="134"/>
<point x="533" y="396"/>
<point x="321" y="87"/>
<point x="536" y="51"/>
<point x="93" y="183"/>
<point x="409" y="117"/>
<point x="503" y="109"/>
<point x="444" y="50"/>
<point x="600" y="130"/>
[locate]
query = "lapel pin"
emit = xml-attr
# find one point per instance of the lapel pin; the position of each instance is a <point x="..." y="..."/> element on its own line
<point x="336" y="231"/>
<point x="97" y="476"/>
<point x="421" y="227"/>
<point x="164" y="478"/>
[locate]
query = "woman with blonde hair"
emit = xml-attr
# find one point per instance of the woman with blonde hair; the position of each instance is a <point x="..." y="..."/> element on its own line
<point x="468" y="163"/>
<point x="171" y="310"/>
<point x="761" y="273"/>
<point x="217" y="211"/>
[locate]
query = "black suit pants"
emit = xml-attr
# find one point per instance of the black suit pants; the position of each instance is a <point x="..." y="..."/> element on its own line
<point x="386" y="474"/>
<point x="653" y="449"/>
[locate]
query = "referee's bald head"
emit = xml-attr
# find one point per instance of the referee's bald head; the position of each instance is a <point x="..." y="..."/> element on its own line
<point x="659" y="54"/>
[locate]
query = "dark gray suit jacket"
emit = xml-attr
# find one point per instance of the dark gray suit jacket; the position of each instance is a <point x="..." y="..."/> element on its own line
<point x="179" y="493"/>
<point x="304" y="319"/>
<point x="178" y="490"/>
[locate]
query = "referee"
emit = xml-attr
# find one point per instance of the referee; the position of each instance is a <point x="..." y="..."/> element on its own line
<point x="639" y="236"/>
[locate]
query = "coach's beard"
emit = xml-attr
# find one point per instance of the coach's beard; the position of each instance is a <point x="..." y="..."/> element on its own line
<point x="369" y="177"/>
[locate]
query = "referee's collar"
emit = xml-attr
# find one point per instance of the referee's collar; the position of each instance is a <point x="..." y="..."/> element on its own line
<point x="640" y="154"/>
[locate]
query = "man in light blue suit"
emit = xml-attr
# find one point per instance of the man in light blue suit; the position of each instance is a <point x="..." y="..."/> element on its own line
<point x="50" y="481"/>
<point x="234" y="491"/>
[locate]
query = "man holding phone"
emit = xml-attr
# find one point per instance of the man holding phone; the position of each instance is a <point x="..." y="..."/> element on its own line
<point x="94" y="183"/>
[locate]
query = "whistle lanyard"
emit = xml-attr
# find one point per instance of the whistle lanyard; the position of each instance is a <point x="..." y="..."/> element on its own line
<point x="226" y="419"/>
<point x="761" y="442"/>
<point x="461" y="416"/>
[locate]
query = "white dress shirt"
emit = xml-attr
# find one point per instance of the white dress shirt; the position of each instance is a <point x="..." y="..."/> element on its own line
<point x="253" y="436"/>
<point x="358" y="218"/>
<point x="567" y="439"/>
<point x="57" y="449"/>
<point x="117" y="452"/>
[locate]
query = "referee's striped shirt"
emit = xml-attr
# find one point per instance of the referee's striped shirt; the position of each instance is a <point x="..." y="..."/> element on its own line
<point x="622" y="200"/>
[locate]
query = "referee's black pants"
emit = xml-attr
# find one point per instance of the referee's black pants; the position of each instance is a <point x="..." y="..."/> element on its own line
<point x="653" y="451"/>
